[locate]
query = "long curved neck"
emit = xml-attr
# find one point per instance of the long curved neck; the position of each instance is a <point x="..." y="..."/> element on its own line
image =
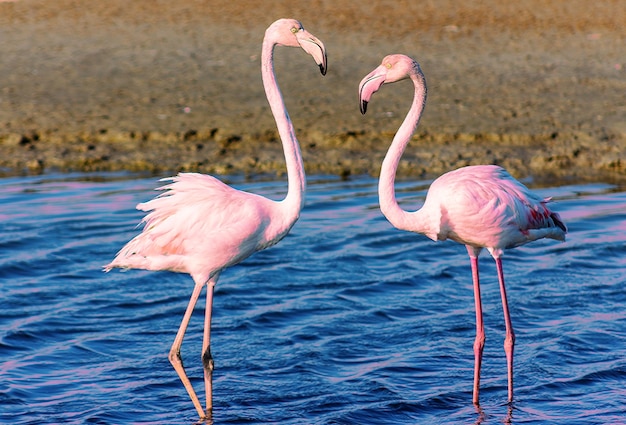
<point x="386" y="183"/>
<point x="294" y="201"/>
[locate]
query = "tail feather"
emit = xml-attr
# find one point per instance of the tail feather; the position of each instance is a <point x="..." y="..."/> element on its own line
<point x="558" y="222"/>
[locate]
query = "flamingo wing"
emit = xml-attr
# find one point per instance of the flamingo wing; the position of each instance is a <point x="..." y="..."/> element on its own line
<point x="484" y="206"/>
<point x="198" y="224"/>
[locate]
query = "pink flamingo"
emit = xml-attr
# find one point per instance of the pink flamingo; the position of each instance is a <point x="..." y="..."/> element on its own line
<point x="479" y="206"/>
<point x="201" y="226"/>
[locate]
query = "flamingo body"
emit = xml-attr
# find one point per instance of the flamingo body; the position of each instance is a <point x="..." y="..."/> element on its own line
<point x="484" y="206"/>
<point x="479" y="206"/>
<point x="200" y="226"/>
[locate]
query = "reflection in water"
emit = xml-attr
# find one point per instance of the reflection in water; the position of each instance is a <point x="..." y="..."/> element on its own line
<point x="346" y="321"/>
<point x="482" y="416"/>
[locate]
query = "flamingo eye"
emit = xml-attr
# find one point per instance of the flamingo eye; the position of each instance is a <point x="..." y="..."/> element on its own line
<point x="388" y="65"/>
<point x="294" y="30"/>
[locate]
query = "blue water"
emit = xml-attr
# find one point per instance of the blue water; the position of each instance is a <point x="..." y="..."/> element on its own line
<point x="346" y="321"/>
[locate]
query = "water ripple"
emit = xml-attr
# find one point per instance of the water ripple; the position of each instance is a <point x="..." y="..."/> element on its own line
<point x="346" y="321"/>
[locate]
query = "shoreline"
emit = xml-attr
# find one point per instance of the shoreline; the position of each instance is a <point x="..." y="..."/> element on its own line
<point x="566" y="158"/>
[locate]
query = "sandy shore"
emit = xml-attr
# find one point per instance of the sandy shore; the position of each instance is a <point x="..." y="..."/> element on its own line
<point x="538" y="87"/>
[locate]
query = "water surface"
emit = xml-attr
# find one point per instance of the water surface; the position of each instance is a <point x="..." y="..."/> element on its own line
<point x="345" y="321"/>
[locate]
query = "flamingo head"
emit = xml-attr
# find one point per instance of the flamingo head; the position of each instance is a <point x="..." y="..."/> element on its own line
<point x="291" y="33"/>
<point x="393" y="68"/>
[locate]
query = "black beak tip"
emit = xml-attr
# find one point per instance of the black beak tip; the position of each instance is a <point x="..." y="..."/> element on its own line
<point x="322" y="69"/>
<point x="363" y="107"/>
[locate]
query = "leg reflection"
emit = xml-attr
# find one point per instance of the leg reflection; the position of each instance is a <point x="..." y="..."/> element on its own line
<point x="481" y="417"/>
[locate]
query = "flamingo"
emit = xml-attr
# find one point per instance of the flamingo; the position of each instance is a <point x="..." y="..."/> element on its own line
<point x="480" y="206"/>
<point x="200" y="226"/>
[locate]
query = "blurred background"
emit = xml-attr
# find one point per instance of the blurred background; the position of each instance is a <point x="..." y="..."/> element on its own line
<point x="541" y="82"/>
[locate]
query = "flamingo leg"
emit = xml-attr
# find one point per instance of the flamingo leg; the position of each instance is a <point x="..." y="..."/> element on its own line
<point x="174" y="354"/>
<point x="207" y="358"/>
<point x="509" y="340"/>
<point x="479" y="342"/>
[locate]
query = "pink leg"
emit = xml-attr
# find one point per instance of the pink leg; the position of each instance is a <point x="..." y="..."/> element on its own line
<point x="509" y="340"/>
<point x="207" y="359"/>
<point x="174" y="355"/>
<point x="479" y="342"/>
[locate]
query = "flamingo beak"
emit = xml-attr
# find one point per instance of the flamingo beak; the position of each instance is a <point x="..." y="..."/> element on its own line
<point x="314" y="47"/>
<point x="370" y="85"/>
